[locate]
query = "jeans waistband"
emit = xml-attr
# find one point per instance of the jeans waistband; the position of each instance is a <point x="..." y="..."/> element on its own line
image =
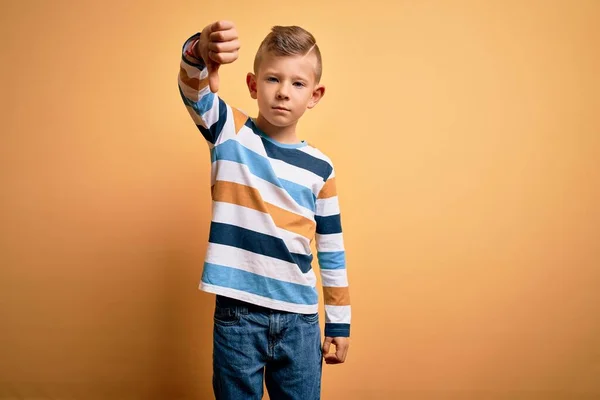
<point x="244" y="307"/>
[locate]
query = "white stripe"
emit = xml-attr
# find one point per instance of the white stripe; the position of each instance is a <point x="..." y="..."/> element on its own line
<point x="330" y="242"/>
<point x="203" y="73"/>
<point x="259" y="300"/>
<point x="228" y="131"/>
<point x="250" y="140"/>
<point x="232" y="171"/>
<point x="193" y="73"/>
<point x="189" y="92"/>
<point x="257" y="221"/>
<point x="297" y="175"/>
<point x="328" y="206"/>
<point x="213" y="172"/>
<point x="337" y="314"/>
<point x="212" y="115"/>
<point x="334" y="278"/>
<point x="258" y="264"/>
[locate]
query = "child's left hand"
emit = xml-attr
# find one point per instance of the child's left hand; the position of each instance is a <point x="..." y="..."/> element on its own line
<point x="341" y="349"/>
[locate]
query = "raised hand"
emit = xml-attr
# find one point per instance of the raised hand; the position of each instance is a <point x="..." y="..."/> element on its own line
<point x="218" y="44"/>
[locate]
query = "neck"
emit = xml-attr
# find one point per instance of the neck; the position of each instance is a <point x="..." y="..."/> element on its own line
<point x="282" y="134"/>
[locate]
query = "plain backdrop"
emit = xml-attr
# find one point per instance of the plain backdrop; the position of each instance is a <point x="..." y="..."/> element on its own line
<point x="466" y="140"/>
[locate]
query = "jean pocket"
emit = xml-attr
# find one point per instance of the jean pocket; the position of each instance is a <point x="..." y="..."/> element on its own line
<point x="226" y="316"/>
<point x="310" y="318"/>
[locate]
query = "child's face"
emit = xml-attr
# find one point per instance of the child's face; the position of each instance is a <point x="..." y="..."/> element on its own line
<point x="285" y="87"/>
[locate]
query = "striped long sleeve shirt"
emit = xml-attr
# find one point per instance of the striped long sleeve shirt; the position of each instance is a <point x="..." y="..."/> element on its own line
<point x="270" y="200"/>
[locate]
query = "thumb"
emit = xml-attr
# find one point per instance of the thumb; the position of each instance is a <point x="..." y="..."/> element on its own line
<point x="326" y="345"/>
<point x="213" y="76"/>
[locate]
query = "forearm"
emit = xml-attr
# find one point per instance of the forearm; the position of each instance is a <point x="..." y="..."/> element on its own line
<point x="332" y="261"/>
<point x="204" y="107"/>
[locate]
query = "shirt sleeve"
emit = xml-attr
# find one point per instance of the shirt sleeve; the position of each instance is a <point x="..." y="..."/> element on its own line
<point x="332" y="260"/>
<point x="215" y="119"/>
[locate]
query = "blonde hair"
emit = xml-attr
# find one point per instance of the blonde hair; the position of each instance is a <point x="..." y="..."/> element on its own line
<point x="289" y="41"/>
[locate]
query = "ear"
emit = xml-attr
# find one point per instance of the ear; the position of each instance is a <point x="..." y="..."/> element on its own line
<point x="251" y="82"/>
<point x="317" y="94"/>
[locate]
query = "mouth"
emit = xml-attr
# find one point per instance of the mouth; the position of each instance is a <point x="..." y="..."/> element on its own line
<point x="280" y="108"/>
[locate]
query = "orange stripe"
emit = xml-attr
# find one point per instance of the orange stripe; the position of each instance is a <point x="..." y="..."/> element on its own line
<point x="239" y="119"/>
<point x="194" y="83"/>
<point x="246" y="196"/>
<point x="292" y="222"/>
<point x="336" y="296"/>
<point x="329" y="189"/>
<point x="234" y="193"/>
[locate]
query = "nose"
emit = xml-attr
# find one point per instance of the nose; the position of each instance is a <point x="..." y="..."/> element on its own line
<point x="282" y="92"/>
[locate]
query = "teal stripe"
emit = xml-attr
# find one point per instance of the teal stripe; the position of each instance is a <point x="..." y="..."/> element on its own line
<point x="202" y="105"/>
<point x="256" y="242"/>
<point x="275" y="289"/>
<point x="332" y="259"/>
<point x="301" y="194"/>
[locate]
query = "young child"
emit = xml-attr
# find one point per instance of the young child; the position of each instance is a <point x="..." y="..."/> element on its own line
<point x="272" y="195"/>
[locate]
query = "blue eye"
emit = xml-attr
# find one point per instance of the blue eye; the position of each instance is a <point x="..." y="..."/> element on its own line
<point x="271" y="79"/>
<point x="299" y="84"/>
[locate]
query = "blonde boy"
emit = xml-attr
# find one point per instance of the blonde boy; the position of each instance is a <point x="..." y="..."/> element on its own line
<point x="272" y="194"/>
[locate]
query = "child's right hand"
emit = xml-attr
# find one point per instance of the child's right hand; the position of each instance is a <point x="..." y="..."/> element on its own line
<point x="218" y="44"/>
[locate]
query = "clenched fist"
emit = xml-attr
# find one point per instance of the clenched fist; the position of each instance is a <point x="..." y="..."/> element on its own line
<point x="218" y="44"/>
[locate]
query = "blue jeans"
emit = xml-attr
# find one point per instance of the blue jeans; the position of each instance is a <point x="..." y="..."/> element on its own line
<point x="250" y="342"/>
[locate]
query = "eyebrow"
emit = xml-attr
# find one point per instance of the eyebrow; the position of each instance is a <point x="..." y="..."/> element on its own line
<point x="295" y="77"/>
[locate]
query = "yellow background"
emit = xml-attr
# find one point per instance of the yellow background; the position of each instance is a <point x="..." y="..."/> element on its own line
<point x="466" y="139"/>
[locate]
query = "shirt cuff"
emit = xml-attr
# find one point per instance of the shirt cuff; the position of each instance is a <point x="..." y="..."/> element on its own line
<point x="337" y="330"/>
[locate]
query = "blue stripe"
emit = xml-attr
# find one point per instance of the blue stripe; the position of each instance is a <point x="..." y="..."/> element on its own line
<point x="200" y="107"/>
<point x="303" y="261"/>
<point x="206" y="133"/>
<point x="301" y="194"/>
<point x="217" y="127"/>
<point x="259" y="243"/>
<point x="298" y="159"/>
<point x="332" y="259"/>
<point x="232" y="150"/>
<point x="294" y="157"/>
<point x="233" y="278"/>
<point x="204" y="104"/>
<point x="330" y="224"/>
